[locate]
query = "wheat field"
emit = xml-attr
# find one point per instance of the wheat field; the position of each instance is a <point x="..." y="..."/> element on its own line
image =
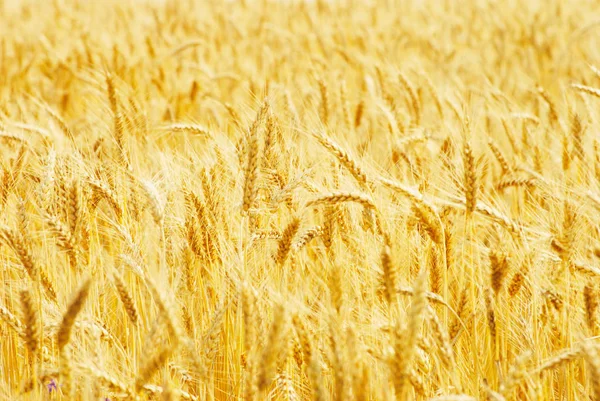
<point x="290" y="200"/>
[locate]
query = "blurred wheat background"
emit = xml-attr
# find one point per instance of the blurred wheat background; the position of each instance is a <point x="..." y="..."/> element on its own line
<point x="289" y="200"/>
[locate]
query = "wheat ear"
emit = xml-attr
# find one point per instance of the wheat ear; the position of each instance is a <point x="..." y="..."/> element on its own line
<point x="68" y="320"/>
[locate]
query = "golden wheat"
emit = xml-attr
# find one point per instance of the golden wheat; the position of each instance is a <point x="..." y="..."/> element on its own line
<point x="418" y="184"/>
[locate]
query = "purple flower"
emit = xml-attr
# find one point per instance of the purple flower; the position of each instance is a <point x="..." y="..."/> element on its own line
<point x="52" y="386"/>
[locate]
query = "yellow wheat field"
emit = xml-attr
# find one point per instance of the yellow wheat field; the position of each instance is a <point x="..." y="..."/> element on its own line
<point x="290" y="200"/>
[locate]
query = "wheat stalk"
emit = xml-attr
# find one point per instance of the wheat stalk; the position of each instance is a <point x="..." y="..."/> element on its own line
<point x="285" y="243"/>
<point x="126" y="299"/>
<point x="344" y="158"/>
<point x="251" y="172"/>
<point x="63" y="334"/>
<point x="31" y="332"/>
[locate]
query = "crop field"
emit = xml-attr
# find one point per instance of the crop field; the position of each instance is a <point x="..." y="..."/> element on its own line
<point x="300" y="200"/>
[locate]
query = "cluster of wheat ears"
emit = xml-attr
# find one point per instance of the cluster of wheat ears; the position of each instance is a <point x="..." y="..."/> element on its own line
<point x="292" y="200"/>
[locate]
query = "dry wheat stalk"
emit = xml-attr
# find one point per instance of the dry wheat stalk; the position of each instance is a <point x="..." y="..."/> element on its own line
<point x="193" y="128"/>
<point x="250" y="332"/>
<point x="416" y="108"/>
<point x="499" y="264"/>
<point x="340" y="197"/>
<point x="405" y="341"/>
<point x="306" y="237"/>
<point x="285" y="243"/>
<point x="344" y="158"/>
<point x="168" y="393"/>
<point x="390" y="274"/>
<point x="164" y="309"/>
<point x="63" y="334"/>
<point x="559" y="359"/>
<point x="515" y="182"/>
<point x="500" y="157"/>
<point x="16" y="241"/>
<point x="150" y="367"/>
<point x="107" y="193"/>
<point x="106" y="379"/>
<point x="324" y="110"/>
<point x="126" y="299"/>
<point x="273" y="347"/>
<point x="66" y="373"/>
<point x="470" y="178"/>
<point x="316" y="379"/>
<point x="31" y="330"/>
<point x="10" y="319"/>
<point x="590" y="298"/>
<point x="251" y="172"/>
<point x="587" y="89"/>
<point x="590" y="354"/>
